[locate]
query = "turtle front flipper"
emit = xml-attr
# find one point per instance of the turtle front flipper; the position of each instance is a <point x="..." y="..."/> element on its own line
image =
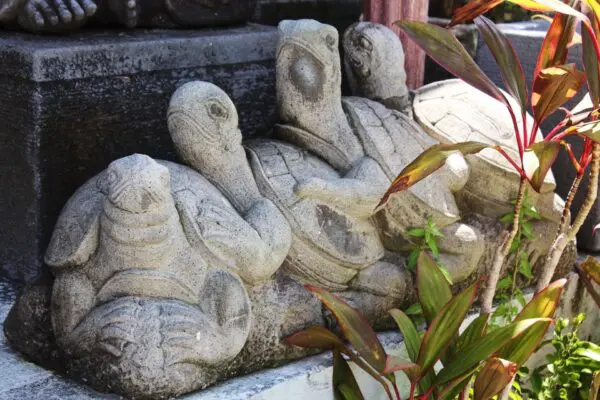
<point x="357" y="193"/>
<point x="75" y="237"/>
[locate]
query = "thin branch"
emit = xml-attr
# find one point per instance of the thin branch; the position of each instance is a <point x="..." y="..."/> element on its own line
<point x="562" y="239"/>
<point x="487" y="298"/>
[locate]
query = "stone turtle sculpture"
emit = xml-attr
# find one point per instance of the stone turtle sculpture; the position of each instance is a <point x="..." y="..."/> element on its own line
<point x="70" y="15"/>
<point x="449" y="112"/>
<point x="368" y="144"/>
<point x="335" y="245"/>
<point x="141" y="304"/>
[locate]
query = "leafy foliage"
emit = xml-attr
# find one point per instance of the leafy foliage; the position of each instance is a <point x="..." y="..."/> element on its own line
<point x="571" y="366"/>
<point x="507" y="290"/>
<point x="426" y="239"/>
<point x="483" y="356"/>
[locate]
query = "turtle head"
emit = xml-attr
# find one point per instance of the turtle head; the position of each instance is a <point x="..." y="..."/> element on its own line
<point x="309" y="96"/>
<point x="374" y="62"/>
<point x="203" y="123"/>
<point x="137" y="184"/>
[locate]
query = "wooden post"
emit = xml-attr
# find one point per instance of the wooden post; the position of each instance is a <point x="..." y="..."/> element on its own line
<point x="386" y="12"/>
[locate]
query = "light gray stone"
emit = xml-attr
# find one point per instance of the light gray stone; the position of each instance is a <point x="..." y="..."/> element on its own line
<point x="449" y="112"/>
<point x="367" y="143"/>
<point x="370" y="50"/>
<point x="142" y="302"/>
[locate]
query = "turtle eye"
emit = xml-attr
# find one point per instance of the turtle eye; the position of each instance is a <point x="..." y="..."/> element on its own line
<point x="217" y="110"/>
<point x="330" y="40"/>
<point x="365" y="43"/>
<point x="112" y="177"/>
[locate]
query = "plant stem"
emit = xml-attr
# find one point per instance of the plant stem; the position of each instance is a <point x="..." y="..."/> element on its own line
<point x="562" y="239"/>
<point x="487" y="298"/>
<point x="566" y="214"/>
<point x="413" y="387"/>
<point x="588" y="285"/>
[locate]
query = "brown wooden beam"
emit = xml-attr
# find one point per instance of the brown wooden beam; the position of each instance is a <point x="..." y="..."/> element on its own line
<point x="386" y="12"/>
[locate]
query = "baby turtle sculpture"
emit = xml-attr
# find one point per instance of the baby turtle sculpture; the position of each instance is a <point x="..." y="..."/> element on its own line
<point x="449" y="112"/>
<point x="367" y="144"/>
<point x="70" y="15"/>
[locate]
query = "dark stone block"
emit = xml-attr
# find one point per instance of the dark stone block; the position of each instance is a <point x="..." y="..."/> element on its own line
<point x="71" y="104"/>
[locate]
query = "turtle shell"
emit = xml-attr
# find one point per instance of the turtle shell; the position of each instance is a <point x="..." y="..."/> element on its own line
<point x="452" y="111"/>
<point x="339" y="244"/>
<point x="394" y="141"/>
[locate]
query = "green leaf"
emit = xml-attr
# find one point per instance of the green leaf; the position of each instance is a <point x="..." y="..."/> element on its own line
<point x="520" y="348"/>
<point x="446" y="274"/>
<point x="409" y="331"/>
<point x="413" y="258"/>
<point x="592" y="267"/>
<point x="414" y="309"/>
<point x="315" y="337"/>
<point x="451" y="390"/>
<point x="475" y="331"/>
<point x="344" y="382"/>
<point x="590" y="130"/>
<point x="444" y="327"/>
<point x="355" y="328"/>
<point x="433" y="247"/>
<point x="416" y="232"/>
<point x="525" y="267"/>
<point x="544" y="303"/>
<point x="432" y="287"/>
<point x="504" y="283"/>
<point x="485" y="347"/>
<point x="537" y="160"/>
<point x="507" y="218"/>
<point x="591" y="62"/>
<point x="427" y="163"/>
<point x="441" y="45"/>
<point x="495" y="375"/>
<point x="527" y="229"/>
<point x="553" y="87"/>
<point x="591" y="353"/>
<point x="506" y="59"/>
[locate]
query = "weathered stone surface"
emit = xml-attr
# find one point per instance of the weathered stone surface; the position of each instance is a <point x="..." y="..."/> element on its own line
<point x="65" y="16"/>
<point x="72" y="104"/>
<point x="452" y="111"/>
<point x="367" y="59"/>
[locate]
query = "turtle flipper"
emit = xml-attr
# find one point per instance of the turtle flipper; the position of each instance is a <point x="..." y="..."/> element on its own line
<point x="75" y="237"/>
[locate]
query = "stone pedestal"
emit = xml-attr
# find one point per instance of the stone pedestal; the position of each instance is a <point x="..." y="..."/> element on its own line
<point x="71" y="104"/>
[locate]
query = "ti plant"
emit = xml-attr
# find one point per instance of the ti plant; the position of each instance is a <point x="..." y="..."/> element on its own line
<point x="487" y="360"/>
<point x="573" y="369"/>
<point x="554" y="83"/>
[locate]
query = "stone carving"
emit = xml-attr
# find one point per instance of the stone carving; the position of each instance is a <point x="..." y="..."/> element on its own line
<point x="452" y="111"/>
<point x="141" y="301"/>
<point x="367" y="143"/>
<point x="147" y="299"/>
<point x="69" y="15"/>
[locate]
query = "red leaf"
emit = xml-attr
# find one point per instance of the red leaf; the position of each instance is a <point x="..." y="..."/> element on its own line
<point x="553" y="87"/>
<point x="355" y="328"/>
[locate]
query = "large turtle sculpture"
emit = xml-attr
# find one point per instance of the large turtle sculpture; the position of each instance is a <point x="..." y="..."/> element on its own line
<point x="366" y="143"/>
<point x="138" y="281"/>
<point x="452" y="111"/>
<point x="148" y="256"/>
<point x="334" y="237"/>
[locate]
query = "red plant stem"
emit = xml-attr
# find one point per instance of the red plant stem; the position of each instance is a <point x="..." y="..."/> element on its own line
<point x="427" y="394"/>
<point x="576" y="163"/>
<point x="554" y="131"/>
<point x="525" y="138"/>
<point x="397" y="391"/>
<point x="534" y="129"/>
<point x="413" y="387"/>
<point x="510" y="160"/>
<point x="517" y="134"/>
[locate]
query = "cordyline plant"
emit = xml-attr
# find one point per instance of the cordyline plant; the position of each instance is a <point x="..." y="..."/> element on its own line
<point x="589" y="272"/>
<point x="554" y="83"/>
<point x="486" y="360"/>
